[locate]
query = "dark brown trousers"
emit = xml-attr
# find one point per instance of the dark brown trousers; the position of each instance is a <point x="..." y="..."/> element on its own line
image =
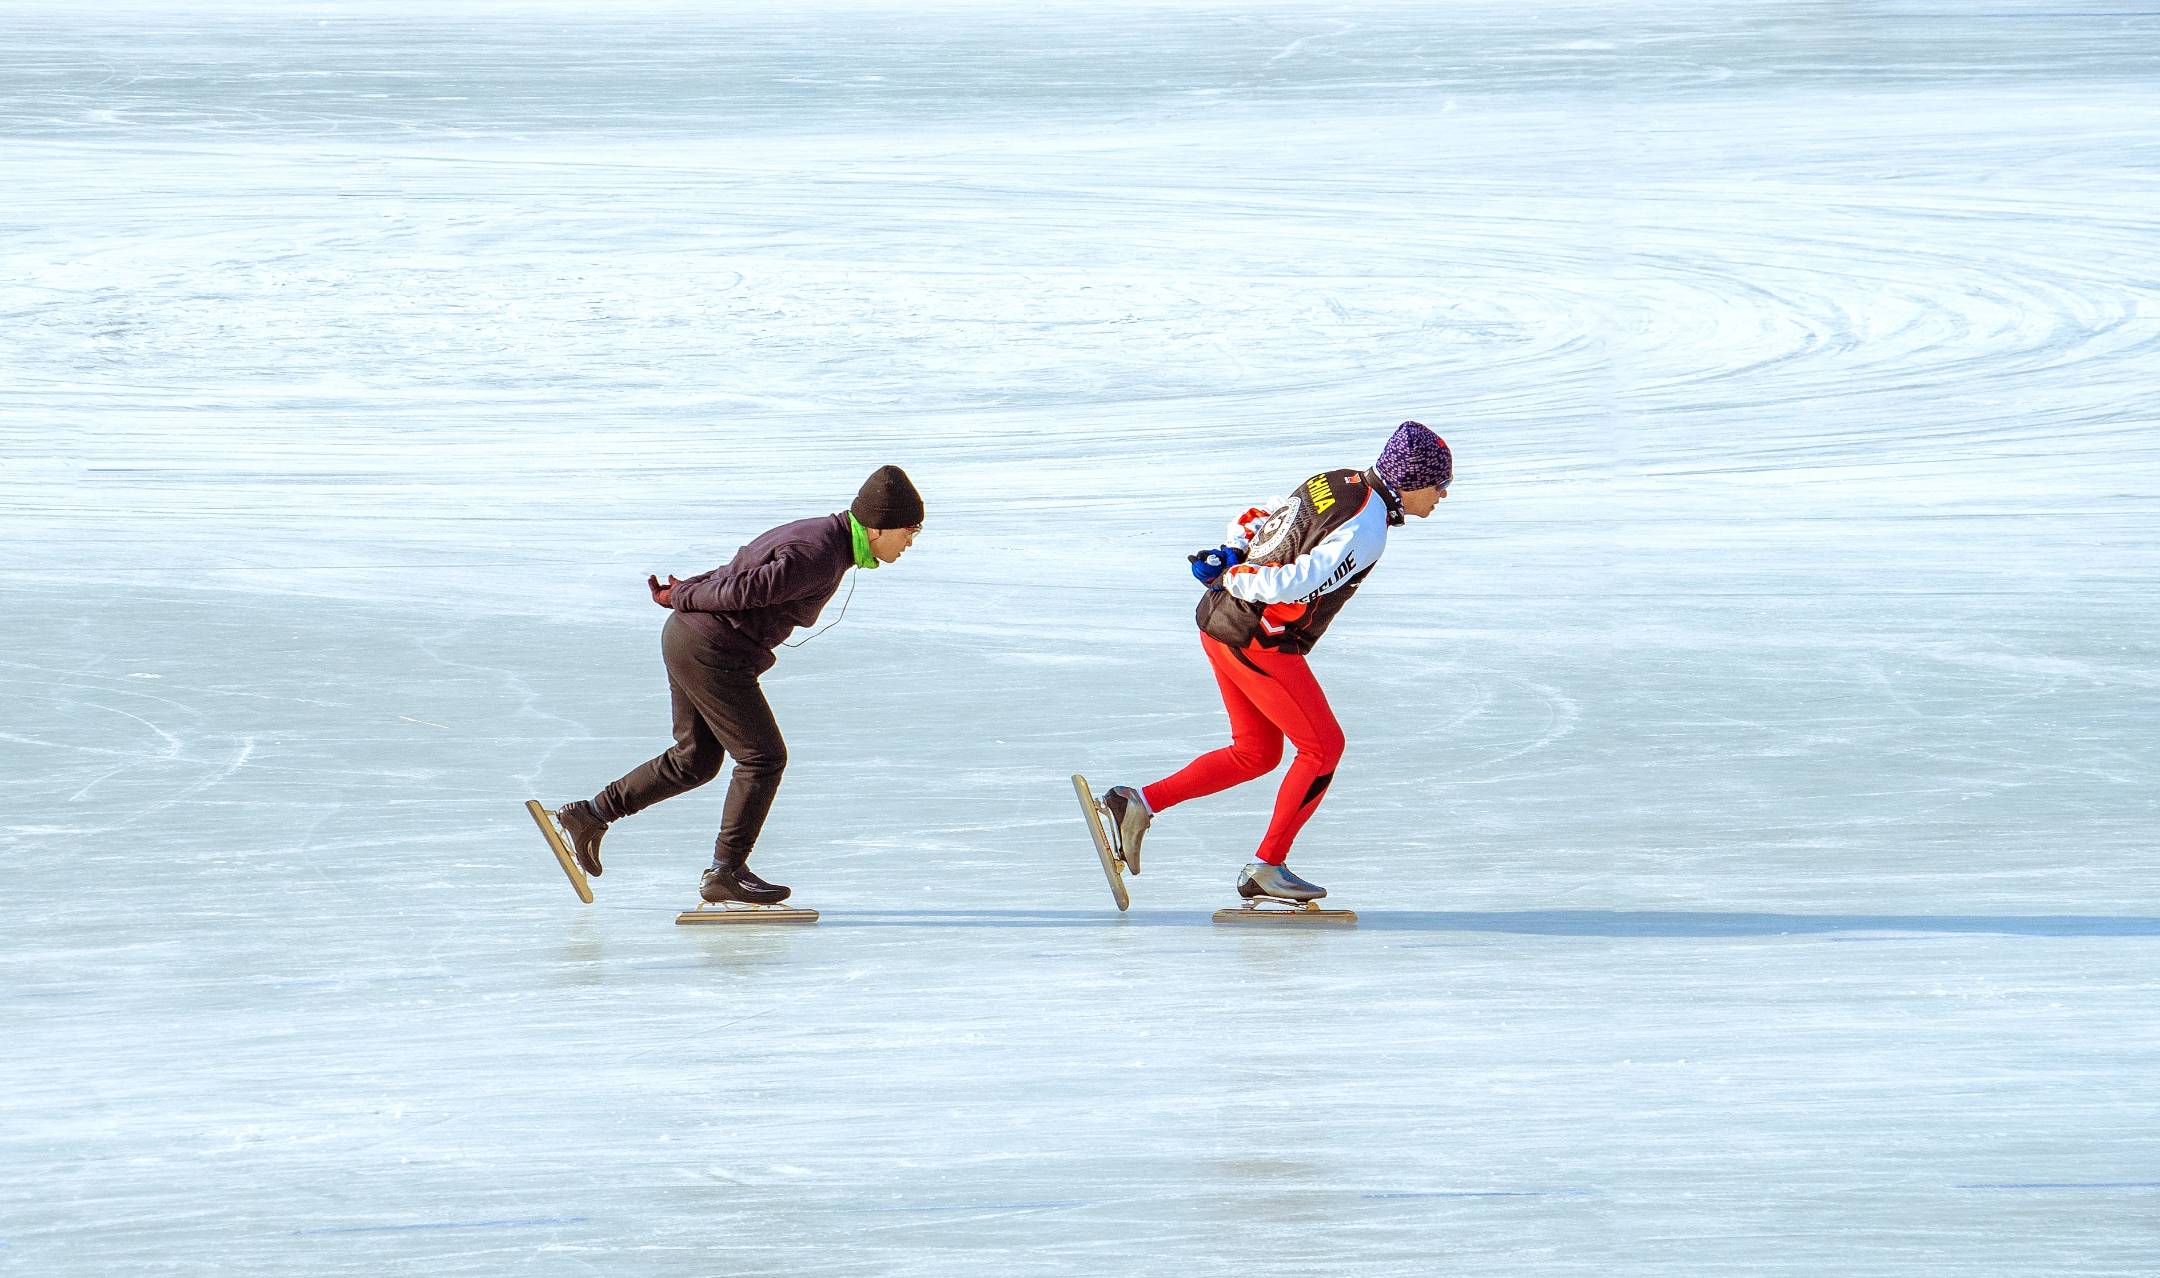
<point x="719" y="711"/>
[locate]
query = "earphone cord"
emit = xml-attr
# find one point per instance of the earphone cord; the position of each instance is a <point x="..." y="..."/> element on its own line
<point x="852" y="579"/>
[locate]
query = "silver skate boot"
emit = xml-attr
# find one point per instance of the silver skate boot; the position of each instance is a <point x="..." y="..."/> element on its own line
<point x="1129" y="820"/>
<point x="1263" y="880"/>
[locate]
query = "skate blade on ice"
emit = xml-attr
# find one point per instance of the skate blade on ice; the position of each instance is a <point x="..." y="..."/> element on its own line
<point x="1112" y="868"/>
<point x="546" y="820"/>
<point x="1272" y="912"/>
<point x="734" y="912"/>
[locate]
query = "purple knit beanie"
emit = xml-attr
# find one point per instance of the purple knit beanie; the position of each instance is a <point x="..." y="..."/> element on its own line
<point x="1415" y="458"/>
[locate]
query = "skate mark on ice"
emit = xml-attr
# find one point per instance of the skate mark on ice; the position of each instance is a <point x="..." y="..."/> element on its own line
<point x="1884" y="940"/>
<point x="1479" y="1193"/>
<point x="1019" y="918"/>
<point x="238" y="761"/>
<point x="40" y="743"/>
<point x="1566" y="714"/>
<point x="1061" y="1205"/>
<point x="1297" y="47"/>
<point x="173" y="750"/>
<point x="525" y="1223"/>
<point x="1648" y="924"/>
<point x="2097" y="1185"/>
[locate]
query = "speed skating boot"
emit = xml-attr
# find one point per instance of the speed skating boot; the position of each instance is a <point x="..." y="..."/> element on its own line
<point x="581" y="821"/>
<point x="722" y="883"/>
<point x="1129" y="821"/>
<point x="1263" y="880"/>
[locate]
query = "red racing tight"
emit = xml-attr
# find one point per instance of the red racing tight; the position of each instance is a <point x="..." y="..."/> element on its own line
<point x="1270" y="695"/>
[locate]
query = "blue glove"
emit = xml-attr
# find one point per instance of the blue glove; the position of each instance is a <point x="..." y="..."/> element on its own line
<point x="1208" y="566"/>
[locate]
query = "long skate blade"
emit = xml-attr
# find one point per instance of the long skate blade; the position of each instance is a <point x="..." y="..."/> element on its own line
<point x="1112" y="868"/>
<point x="746" y="914"/>
<point x="1286" y="915"/>
<point x="569" y="864"/>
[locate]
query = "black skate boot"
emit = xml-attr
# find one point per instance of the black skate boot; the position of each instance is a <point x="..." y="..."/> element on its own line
<point x="1276" y="881"/>
<point x="1129" y="820"/>
<point x="724" y="882"/>
<point x="763" y="893"/>
<point x="581" y="821"/>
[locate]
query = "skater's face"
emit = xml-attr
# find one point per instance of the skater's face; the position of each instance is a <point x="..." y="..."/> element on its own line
<point x="888" y="544"/>
<point x="1420" y="501"/>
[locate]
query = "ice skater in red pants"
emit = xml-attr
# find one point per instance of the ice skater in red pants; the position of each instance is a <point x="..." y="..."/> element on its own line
<point x="1273" y="586"/>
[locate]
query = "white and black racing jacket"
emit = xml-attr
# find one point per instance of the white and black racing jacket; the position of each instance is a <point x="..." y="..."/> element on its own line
<point x="1304" y="558"/>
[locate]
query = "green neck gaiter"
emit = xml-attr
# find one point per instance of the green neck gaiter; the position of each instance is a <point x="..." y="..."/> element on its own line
<point x="861" y="536"/>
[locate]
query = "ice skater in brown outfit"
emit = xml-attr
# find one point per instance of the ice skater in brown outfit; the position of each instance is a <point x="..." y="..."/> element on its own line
<point x="720" y="635"/>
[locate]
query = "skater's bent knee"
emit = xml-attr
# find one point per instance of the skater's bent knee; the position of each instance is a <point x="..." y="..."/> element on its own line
<point x="696" y="767"/>
<point x="1257" y="760"/>
<point x="764" y="763"/>
<point x="1324" y="753"/>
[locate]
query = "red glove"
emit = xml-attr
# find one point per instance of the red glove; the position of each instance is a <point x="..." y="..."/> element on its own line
<point x="663" y="595"/>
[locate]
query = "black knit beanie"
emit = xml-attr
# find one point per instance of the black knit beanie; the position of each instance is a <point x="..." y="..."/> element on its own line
<point x="887" y="500"/>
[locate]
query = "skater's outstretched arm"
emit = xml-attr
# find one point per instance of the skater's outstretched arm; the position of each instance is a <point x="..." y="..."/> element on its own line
<point x="731" y="589"/>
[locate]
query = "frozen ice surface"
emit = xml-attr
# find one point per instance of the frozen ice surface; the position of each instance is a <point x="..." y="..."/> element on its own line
<point x="1752" y="772"/>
